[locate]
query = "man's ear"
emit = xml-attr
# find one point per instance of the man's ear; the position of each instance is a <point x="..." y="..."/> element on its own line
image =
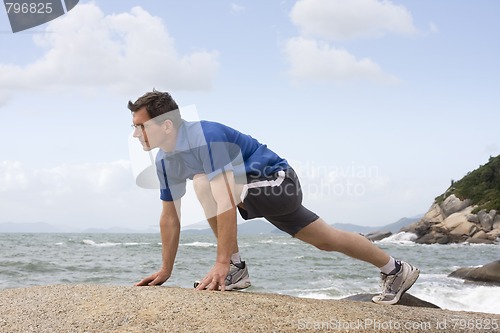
<point x="168" y="126"/>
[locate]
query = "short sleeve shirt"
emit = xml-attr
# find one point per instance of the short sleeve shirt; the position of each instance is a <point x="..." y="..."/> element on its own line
<point x="205" y="147"/>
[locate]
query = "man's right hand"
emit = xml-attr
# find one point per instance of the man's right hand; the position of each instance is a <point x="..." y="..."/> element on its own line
<point x="157" y="279"/>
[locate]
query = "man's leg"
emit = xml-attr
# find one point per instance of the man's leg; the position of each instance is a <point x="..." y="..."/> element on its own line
<point x="327" y="238"/>
<point x="238" y="277"/>
<point x="397" y="276"/>
<point x="204" y="194"/>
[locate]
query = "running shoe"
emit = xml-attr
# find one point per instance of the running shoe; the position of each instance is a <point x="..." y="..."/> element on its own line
<point x="395" y="285"/>
<point x="237" y="278"/>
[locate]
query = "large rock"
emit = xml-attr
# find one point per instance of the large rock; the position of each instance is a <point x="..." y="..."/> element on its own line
<point x="433" y="237"/>
<point x="464" y="228"/>
<point x="496" y="222"/>
<point x="452" y="204"/>
<point x="378" y="235"/>
<point x="486" y="219"/>
<point x="488" y="273"/>
<point x="101" y="308"/>
<point x="434" y="215"/>
<point x="493" y="234"/>
<point x="416" y="228"/>
<point x="480" y="235"/>
<point x="473" y="218"/>
<point x="406" y="299"/>
<point x="454" y="220"/>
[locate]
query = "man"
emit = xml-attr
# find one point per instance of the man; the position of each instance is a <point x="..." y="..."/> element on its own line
<point x="232" y="171"/>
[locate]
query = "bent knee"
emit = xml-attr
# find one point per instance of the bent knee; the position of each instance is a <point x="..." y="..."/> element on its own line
<point x="201" y="184"/>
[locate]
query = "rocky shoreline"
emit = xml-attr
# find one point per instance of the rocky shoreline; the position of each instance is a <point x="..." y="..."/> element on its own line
<point x="453" y="221"/>
<point x="487" y="274"/>
<point x="99" y="308"/>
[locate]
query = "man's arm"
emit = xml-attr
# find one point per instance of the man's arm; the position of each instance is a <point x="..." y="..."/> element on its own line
<point x="222" y="187"/>
<point x="170" y="228"/>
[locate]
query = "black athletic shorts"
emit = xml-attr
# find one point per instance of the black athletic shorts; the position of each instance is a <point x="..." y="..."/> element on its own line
<point x="278" y="199"/>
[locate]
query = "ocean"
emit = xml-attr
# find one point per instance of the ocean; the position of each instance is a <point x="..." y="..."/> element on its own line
<point x="277" y="264"/>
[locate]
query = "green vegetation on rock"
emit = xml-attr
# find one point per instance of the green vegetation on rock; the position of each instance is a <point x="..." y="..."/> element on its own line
<point x="481" y="186"/>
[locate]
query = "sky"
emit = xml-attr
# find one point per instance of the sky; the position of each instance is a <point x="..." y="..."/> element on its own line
<point x="377" y="105"/>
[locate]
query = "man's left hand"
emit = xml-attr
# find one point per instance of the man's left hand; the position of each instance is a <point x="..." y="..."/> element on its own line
<point x="216" y="278"/>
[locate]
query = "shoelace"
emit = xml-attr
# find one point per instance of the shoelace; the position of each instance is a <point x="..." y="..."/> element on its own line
<point x="387" y="283"/>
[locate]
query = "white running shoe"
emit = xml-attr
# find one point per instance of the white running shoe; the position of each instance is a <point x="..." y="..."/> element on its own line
<point x="395" y="285"/>
<point x="237" y="278"/>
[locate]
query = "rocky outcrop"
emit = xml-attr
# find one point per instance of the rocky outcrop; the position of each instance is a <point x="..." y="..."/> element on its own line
<point x="406" y="299"/>
<point x="378" y="235"/>
<point x="101" y="308"/>
<point x="452" y="221"/>
<point x="452" y="205"/>
<point x="489" y="273"/>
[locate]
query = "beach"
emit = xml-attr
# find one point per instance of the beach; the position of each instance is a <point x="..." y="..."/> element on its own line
<point x="104" y="308"/>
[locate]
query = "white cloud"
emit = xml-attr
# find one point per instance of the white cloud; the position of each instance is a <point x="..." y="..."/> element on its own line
<point x="237" y="9"/>
<point x="73" y="195"/>
<point x="82" y="196"/>
<point x="11" y="176"/>
<point x="433" y="28"/>
<point x="53" y="184"/>
<point x="319" y="22"/>
<point x="347" y="19"/>
<point x="313" y="60"/>
<point x="125" y="52"/>
<point x="4" y="98"/>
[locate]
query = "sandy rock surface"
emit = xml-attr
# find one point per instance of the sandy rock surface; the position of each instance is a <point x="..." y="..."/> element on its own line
<point x="100" y="308"/>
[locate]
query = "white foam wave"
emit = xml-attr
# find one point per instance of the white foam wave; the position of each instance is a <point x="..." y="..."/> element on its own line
<point x="108" y="244"/>
<point x="315" y="295"/>
<point x="200" y="244"/>
<point x="453" y="294"/>
<point x="469" y="298"/>
<point x="105" y="244"/>
<point x="273" y="241"/>
<point x="403" y="238"/>
<point x="447" y="293"/>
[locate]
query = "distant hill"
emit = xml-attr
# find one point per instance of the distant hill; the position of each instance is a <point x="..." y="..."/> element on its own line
<point x="260" y="226"/>
<point x="42" y="227"/>
<point x="36" y="227"/>
<point x="253" y="227"/>
<point x="481" y="186"/>
<point x="118" y="230"/>
<point x="393" y="227"/>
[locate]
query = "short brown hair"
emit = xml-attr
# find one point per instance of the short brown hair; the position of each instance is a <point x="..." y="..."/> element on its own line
<point x="158" y="103"/>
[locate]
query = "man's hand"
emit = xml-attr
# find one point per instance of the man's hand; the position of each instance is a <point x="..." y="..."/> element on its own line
<point x="157" y="279"/>
<point x="215" y="278"/>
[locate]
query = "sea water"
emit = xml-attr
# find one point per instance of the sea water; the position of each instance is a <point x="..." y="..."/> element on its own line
<point x="277" y="264"/>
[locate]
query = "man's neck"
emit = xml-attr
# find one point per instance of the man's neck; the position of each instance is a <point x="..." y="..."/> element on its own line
<point x="170" y="142"/>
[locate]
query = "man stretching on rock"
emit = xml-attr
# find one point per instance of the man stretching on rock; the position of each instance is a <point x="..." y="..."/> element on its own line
<point x="232" y="171"/>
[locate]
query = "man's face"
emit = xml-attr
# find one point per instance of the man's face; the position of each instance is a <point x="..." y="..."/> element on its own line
<point x="149" y="133"/>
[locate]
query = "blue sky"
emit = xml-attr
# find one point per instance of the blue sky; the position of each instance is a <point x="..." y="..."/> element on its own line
<point x="377" y="104"/>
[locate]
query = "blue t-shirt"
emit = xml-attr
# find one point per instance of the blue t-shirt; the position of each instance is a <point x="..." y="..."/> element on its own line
<point x="205" y="147"/>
